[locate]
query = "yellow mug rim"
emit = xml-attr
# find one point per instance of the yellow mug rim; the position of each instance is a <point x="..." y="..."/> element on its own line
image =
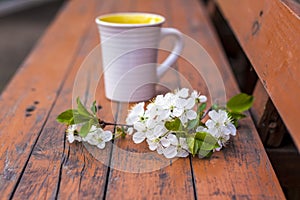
<point x="99" y="19"/>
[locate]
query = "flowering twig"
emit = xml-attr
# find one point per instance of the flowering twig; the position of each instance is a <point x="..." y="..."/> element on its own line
<point x="103" y="124"/>
<point x="175" y="124"/>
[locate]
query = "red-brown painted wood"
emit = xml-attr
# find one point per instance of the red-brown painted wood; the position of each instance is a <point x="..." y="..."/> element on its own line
<point x="27" y="100"/>
<point x="37" y="162"/>
<point x="269" y="31"/>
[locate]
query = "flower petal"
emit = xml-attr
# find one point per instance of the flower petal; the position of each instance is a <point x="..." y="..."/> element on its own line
<point x="232" y="129"/>
<point x="190" y="103"/>
<point x="173" y="139"/>
<point x="177" y="112"/>
<point x="165" y="142"/>
<point x="106" y="136"/>
<point x="70" y="137"/>
<point x="130" y="131"/>
<point x="210" y="124"/>
<point x="139" y="126"/>
<point x="202" y="98"/>
<point x="101" y="145"/>
<point x="180" y="103"/>
<point x="152" y="145"/>
<point x="191" y="114"/>
<point x="170" y="152"/>
<point x="159" y="149"/>
<point x="201" y="129"/>
<point x="182" y="153"/>
<point x="213" y="115"/>
<point x="183" y="143"/>
<point x="183" y="93"/>
<point x="138" y="137"/>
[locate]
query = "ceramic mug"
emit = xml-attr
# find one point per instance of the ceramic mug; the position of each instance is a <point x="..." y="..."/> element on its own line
<point x="129" y="44"/>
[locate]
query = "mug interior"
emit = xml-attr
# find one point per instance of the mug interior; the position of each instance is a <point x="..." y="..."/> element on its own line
<point x="130" y="19"/>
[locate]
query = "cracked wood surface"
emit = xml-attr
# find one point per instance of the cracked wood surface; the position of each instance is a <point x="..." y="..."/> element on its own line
<point x="38" y="163"/>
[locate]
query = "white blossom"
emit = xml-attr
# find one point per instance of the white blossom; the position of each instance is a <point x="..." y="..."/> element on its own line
<point x="182" y="148"/>
<point x="220" y="126"/>
<point x="72" y="134"/>
<point x="198" y="97"/>
<point x="136" y="113"/>
<point x="149" y="124"/>
<point x="98" y="137"/>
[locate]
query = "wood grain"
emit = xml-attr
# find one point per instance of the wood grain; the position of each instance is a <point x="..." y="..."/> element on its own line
<point x="138" y="173"/>
<point x="237" y="171"/>
<point x="259" y="105"/>
<point x="269" y="31"/>
<point x="72" y="170"/>
<point x="268" y="122"/>
<point x="38" y="163"/>
<point x="26" y="102"/>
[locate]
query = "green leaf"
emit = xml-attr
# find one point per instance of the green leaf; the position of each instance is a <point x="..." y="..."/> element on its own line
<point x="78" y="118"/>
<point x="195" y="122"/>
<point x="66" y="117"/>
<point x="240" y="103"/>
<point x="94" y="108"/>
<point x="209" y="141"/>
<point x="204" y="154"/>
<point x="86" y="128"/>
<point x="214" y="107"/>
<point x="123" y="132"/>
<point x="202" y="144"/>
<point x="173" y="125"/>
<point x="81" y="109"/>
<point x="192" y="123"/>
<point x="201" y="108"/>
<point x="120" y="131"/>
<point x="235" y="117"/>
<point x="193" y="145"/>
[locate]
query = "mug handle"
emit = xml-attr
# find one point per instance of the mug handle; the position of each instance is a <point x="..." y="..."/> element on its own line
<point x="170" y="60"/>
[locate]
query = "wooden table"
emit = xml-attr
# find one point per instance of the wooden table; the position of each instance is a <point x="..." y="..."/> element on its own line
<point x="38" y="163"/>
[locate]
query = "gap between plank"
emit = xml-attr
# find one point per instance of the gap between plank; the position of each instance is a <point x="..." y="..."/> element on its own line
<point x="118" y="110"/>
<point x="46" y="119"/>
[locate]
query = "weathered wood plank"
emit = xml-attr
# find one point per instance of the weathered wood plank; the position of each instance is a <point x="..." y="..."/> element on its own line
<point x="27" y="100"/>
<point x="72" y="170"/>
<point x="239" y="170"/>
<point x="56" y="169"/>
<point x="268" y="122"/>
<point x="212" y="178"/>
<point x="293" y="5"/>
<point x="269" y="31"/>
<point x="136" y="172"/>
<point x="259" y="105"/>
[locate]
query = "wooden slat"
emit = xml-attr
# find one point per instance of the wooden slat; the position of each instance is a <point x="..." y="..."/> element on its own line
<point x="72" y="170"/>
<point x="48" y="167"/>
<point x="268" y="122"/>
<point x="269" y="31"/>
<point x="293" y="5"/>
<point x="227" y="174"/>
<point x="26" y="102"/>
<point x="138" y="173"/>
<point x="237" y="171"/>
<point x="259" y="105"/>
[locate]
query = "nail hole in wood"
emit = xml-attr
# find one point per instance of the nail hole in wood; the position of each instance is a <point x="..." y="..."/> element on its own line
<point x="30" y="109"/>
